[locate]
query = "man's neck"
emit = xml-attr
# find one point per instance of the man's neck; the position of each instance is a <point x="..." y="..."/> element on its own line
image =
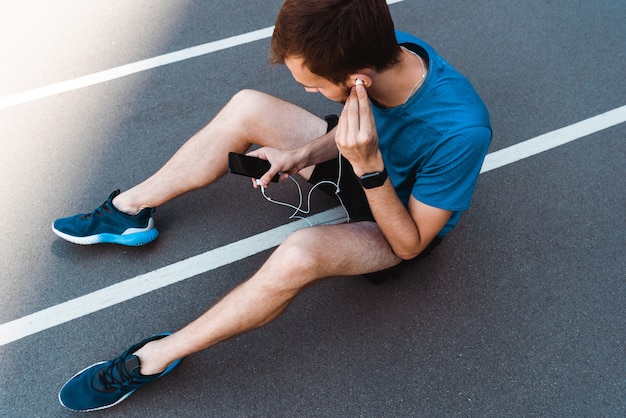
<point x="393" y="87"/>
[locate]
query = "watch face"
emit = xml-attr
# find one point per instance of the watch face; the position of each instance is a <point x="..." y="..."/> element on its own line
<point x="371" y="180"/>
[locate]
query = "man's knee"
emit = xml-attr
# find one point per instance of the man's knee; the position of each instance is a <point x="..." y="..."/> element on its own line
<point x="295" y="263"/>
<point x="245" y="96"/>
<point x="246" y="110"/>
<point x="300" y="247"/>
<point x="247" y="103"/>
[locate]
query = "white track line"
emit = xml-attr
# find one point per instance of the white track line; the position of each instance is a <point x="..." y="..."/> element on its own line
<point x="554" y="139"/>
<point x="177" y="272"/>
<point x="135" y="67"/>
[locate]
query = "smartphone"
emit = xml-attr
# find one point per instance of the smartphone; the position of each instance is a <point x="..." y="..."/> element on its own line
<point x="248" y="166"/>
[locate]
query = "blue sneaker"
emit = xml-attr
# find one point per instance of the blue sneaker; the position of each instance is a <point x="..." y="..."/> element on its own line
<point x="107" y="224"/>
<point x="105" y="384"/>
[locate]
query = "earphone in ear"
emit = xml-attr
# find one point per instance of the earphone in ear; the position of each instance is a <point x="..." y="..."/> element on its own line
<point x="358" y="82"/>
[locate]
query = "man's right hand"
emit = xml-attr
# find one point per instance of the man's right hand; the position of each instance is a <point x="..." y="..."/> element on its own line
<point x="283" y="162"/>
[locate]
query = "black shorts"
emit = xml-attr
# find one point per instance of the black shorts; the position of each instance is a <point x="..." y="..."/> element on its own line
<point x="350" y="190"/>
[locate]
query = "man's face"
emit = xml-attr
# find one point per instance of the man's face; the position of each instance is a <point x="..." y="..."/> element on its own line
<point x="315" y="84"/>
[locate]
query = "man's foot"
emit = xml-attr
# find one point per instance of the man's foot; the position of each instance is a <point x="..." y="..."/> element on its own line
<point x="108" y="224"/>
<point x="105" y="384"/>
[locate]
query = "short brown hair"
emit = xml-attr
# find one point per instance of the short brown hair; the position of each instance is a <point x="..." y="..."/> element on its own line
<point x="335" y="38"/>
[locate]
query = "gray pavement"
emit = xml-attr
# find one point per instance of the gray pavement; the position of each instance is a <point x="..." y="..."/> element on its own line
<point x="519" y="313"/>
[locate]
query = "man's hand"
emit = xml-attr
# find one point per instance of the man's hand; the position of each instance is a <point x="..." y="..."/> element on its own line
<point x="283" y="162"/>
<point x="356" y="137"/>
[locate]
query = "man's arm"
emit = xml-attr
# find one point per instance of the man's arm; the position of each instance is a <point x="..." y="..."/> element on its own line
<point x="407" y="231"/>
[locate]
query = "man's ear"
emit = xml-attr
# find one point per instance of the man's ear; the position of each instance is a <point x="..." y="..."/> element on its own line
<point x="367" y="81"/>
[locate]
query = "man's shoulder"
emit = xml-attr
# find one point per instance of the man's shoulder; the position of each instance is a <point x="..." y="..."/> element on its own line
<point x="407" y="38"/>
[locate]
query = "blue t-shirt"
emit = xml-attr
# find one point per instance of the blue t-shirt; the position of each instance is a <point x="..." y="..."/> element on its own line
<point x="434" y="145"/>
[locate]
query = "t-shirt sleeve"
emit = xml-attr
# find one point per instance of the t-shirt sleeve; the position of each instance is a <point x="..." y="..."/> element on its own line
<point x="448" y="179"/>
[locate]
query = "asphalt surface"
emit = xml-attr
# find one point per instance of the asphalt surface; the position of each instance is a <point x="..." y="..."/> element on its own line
<point x="520" y="312"/>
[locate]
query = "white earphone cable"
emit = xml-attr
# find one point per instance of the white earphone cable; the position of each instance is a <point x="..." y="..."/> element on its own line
<point x="298" y="209"/>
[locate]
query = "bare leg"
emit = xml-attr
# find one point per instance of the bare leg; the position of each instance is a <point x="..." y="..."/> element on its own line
<point x="249" y="118"/>
<point x="306" y="256"/>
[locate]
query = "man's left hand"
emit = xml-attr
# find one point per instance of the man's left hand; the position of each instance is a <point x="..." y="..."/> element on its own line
<point x="356" y="136"/>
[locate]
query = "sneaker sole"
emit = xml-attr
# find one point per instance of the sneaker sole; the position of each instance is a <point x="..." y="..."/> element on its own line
<point x="135" y="238"/>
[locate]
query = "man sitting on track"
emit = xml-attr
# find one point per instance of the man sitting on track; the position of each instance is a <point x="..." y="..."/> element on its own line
<point x="408" y="147"/>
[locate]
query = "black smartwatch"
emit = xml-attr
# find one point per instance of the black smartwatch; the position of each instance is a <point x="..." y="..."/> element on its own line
<point x="372" y="180"/>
